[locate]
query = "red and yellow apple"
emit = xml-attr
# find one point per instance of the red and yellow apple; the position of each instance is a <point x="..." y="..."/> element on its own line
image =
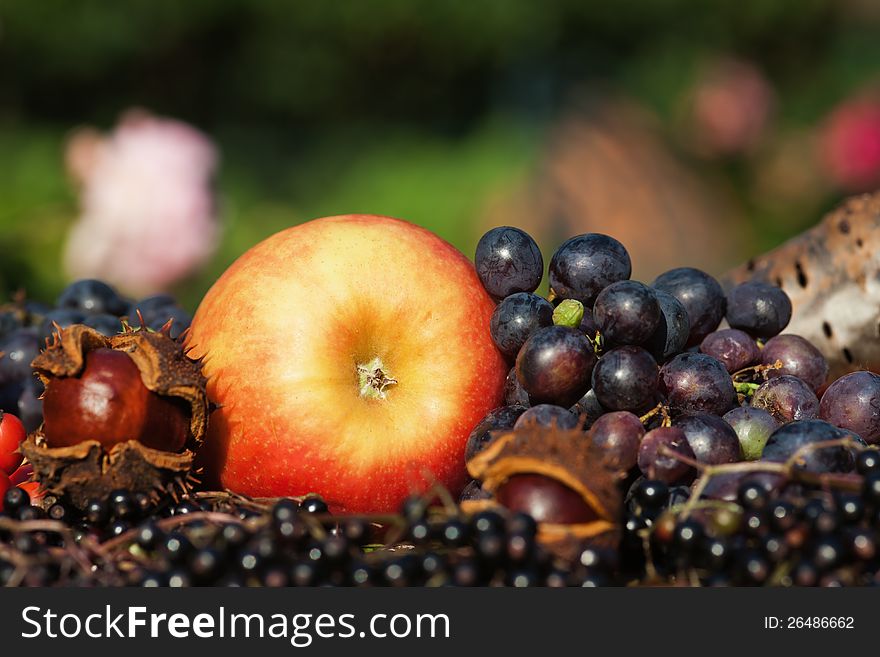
<point x="350" y="357"/>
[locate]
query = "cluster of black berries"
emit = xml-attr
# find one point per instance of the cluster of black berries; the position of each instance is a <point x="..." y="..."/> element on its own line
<point x="236" y="542"/>
<point x="794" y="537"/>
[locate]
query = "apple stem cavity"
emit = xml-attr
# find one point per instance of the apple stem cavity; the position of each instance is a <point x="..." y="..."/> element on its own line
<point x="569" y="313"/>
<point x="373" y="379"/>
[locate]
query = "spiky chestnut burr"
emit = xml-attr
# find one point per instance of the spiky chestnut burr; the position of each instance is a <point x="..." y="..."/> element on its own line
<point x="558" y="477"/>
<point x="127" y="411"/>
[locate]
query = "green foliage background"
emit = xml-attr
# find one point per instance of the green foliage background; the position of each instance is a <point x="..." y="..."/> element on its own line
<point x="412" y="108"/>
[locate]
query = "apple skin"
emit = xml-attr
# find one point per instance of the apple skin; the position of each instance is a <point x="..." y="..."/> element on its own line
<point x="281" y="334"/>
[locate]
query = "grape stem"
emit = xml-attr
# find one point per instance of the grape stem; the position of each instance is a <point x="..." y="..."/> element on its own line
<point x="661" y="409"/>
<point x="789" y="469"/>
<point x="750" y="372"/>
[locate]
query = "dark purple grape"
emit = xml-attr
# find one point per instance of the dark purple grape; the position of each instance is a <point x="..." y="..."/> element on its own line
<point x="658" y="466"/>
<point x="619" y="435"/>
<point x="18" y="350"/>
<point x="753" y="427"/>
<point x="514" y="393"/>
<point x="853" y="402"/>
<point x="588" y="325"/>
<point x="589" y="409"/>
<point x="16" y="353"/>
<point x="516" y="318"/>
<point x="92" y="297"/>
<point x="700" y="294"/>
<point x="498" y="419"/>
<point x="584" y="265"/>
<point x="671" y="335"/>
<point x="625" y="379"/>
<point x="555" y="364"/>
<point x="712" y="440"/>
<point x="626" y="312"/>
<point x="787" y="398"/>
<point x="546" y="415"/>
<point x="10" y="320"/>
<point x="734" y="348"/>
<point x="726" y="486"/>
<point x="759" y="309"/>
<point x="104" y="324"/>
<point x="60" y="318"/>
<point x="508" y="260"/>
<point x="154" y="309"/>
<point x="179" y="318"/>
<point x="799" y="358"/>
<point x="697" y="383"/>
<point x="789" y="438"/>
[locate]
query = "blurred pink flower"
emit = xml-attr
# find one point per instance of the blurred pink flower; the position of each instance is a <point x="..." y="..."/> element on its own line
<point x="148" y="211"/>
<point x="731" y="106"/>
<point x="851" y="144"/>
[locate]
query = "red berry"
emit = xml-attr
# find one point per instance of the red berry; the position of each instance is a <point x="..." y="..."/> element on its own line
<point x="12" y="432"/>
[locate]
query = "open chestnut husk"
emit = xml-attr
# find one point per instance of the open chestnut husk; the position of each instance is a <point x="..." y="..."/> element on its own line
<point x="127" y="411"/>
<point x="558" y="477"/>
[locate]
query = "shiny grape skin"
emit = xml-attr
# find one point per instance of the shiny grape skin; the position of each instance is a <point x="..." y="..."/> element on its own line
<point x="555" y="364"/>
<point x="589" y="409"/>
<point x="618" y="435"/>
<point x="734" y="348"/>
<point x="759" y="309"/>
<point x="712" y="440"/>
<point x="667" y="469"/>
<point x="626" y="312"/>
<point x="671" y="335"/>
<point x="508" y="261"/>
<point x="786" y="440"/>
<point x="547" y="415"/>
<point x="586" y="264"/>
<point x="515" y="318"/>
<point x="91" y="296"/>
<point x="799" y="358"/>
<point x="853" y="402"/>
<point x="787" y="398"/>
<point x="588" y="326"/>
<point x="697" y="383"/>
<point x="753" y="427"/>
<point x="514" y="393"/>
<point x="725" y="486"/>
<point x="498" y="419"/>
<point x="625" y="378"/>
<point x="700" y="294"/>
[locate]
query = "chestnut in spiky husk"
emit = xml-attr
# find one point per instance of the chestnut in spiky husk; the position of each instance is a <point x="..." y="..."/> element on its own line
<point x="126" y="411"/>
<point x="560" y="479"/>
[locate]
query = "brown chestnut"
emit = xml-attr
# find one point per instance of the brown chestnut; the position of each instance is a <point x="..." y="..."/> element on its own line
<point x="109" y="402"/>
<point x="545" y="499"/>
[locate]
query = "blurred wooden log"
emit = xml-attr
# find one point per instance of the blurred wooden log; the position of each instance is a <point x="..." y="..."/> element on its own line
<point x="832" y="274"/>
<point x="606" y="168"/>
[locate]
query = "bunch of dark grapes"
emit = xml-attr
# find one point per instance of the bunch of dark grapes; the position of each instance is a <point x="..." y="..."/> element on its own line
<point x="25" y="325"/>
<point x="732" y="441"/>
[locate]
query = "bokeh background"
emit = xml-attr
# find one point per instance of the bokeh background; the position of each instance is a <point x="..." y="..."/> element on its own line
<point x="696" y="132"/>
